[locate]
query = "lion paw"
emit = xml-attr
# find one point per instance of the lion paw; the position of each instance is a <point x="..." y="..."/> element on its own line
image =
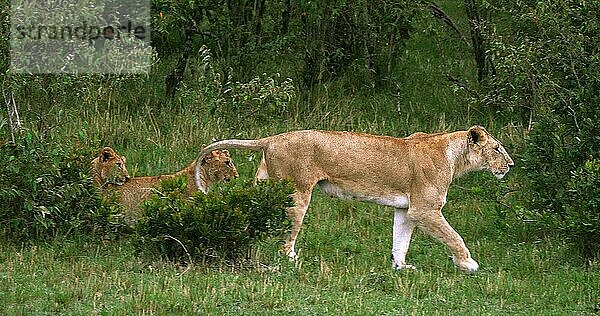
<point x="403" y="266"/>
<point x="292" y="256"/>
<point x="468" y="265"/>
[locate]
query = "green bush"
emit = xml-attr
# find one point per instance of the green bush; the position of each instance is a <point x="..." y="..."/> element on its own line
<point x="223" y="224"/>
<point x="582" y="212"/>
<point x="311" y="41"/>
<point x="548" y="71"/>
<point x="264" y="97"/>
<point x="46" y="190"/>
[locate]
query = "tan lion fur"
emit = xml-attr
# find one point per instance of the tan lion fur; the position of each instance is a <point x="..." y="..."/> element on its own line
<point x="109" y="168"/>
<point x="216" y="166"/>
<point x="411" y="174"/>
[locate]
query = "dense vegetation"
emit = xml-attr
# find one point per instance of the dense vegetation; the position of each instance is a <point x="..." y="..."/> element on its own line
<point x="527" y="70"/>
<point x="222" y="224"/>
<point x="45" y="190"/>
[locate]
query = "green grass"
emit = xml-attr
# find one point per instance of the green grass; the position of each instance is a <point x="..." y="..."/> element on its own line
<point x="344" y="268"/>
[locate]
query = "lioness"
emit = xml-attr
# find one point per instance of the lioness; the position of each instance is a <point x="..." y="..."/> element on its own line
<point x="215" y="166"/>
<point x="411" y="174"/>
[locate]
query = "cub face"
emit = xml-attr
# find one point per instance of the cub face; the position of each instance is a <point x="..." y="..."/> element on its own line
<point x="109" y="167"/>
<point x="219" y="166"/>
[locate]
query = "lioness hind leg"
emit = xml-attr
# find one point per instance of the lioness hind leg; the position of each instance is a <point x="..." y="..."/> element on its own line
<point x="434" y="223"/>
<point x="261" y="173"/>
<point x="296" y="214"/>
<point x="402" y="232"/>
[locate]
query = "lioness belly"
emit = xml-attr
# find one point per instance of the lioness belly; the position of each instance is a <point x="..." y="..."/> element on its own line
<point x="393" y="200"/>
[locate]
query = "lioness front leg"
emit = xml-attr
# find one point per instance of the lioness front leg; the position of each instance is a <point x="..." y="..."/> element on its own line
<point x="402" y="232"/>
<point x="434" y="223"/>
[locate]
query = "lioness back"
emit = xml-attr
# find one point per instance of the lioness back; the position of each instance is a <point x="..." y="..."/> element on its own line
<point x="353" y="160"/>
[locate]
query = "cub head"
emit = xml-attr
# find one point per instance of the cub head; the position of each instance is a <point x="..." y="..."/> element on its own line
<point x="218" y="166"/>
<point x="488" y="153"/>
<point x="109" y="167"/>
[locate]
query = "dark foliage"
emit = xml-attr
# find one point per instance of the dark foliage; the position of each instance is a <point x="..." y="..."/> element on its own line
<point x="316" y="41"/>
<point x="46" y="191"/>
<point x="223" y="224"/>
<point x="550" y="67"/>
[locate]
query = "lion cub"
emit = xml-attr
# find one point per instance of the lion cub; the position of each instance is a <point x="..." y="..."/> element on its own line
<point x="109" y="168"/>
<point x="110" y="172"/>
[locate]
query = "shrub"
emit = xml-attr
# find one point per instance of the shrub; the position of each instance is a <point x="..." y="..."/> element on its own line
<point x="582" y="210"/>
<point x="46" y="190"/>
<point x="547" y="70"/>
<point x="263" y="97"/>
<point x="223" y="224"/>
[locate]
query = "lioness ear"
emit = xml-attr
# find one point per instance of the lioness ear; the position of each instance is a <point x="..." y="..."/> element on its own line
<point x="478" y="135"/>
<point x="106" y="154"/>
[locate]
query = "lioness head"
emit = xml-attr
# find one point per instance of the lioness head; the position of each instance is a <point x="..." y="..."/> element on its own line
<point x="487" y="152"/>
<point x="109" y="167"/>
<point x="219" y="166"/>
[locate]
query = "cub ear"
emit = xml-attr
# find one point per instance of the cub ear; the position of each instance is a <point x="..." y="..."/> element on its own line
<point x="203" y="146"/>
<point x="106" y="154"/>
<point x="478" y="135"/>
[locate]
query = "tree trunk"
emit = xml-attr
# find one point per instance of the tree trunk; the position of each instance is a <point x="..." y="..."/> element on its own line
<point x="438" y="13"/>
<point x="176" y="76"/>
<point x="484" y="64"/>
<point x="285" y="17"/>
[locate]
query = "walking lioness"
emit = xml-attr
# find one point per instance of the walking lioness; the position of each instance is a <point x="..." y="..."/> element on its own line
<point x="411" y="174"/>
